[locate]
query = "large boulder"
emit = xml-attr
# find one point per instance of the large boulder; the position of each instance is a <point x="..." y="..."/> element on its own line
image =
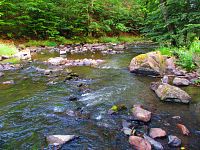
<point x="170" y="93"/>
<point x="152" y="63"/>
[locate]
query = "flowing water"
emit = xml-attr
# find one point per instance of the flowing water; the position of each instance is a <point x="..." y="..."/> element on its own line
<point x="31" y="109"/>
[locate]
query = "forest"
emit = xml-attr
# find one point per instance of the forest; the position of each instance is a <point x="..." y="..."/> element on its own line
<point x="163" y="21"/>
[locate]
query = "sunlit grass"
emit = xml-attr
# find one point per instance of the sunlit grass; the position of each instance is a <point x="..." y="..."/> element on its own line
<point x="7" y="49"/>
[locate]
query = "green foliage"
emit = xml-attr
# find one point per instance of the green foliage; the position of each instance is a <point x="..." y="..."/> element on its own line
<point x="165" y="51"/>
<point x="170" y="21"/>
<point x="195" y="46"/>
<point x="197" y="81"/>
<point x="185" y="59"/>
<point x="188" y="58"/>
<point x="7" y="49"/>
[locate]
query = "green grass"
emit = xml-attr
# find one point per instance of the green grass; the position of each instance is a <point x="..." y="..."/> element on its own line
<point x="40" y="43"/>
<point x="76" y="40"/>
<point x="130" y="39"/>
<point x="7" y="49"/>
<point x="13" y="60"/>
<point x="120" y="39"/>
<point x="109" y="40"/>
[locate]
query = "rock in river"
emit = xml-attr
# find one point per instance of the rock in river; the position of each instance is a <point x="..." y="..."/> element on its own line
<point x="174" y="141"/>
<point x="183" y="129"/>
<point x="56" y="61"/>
<point x="181" y="81"/>
<point x="152" y="63"/>
<point x="156" y="145"/>
<point x="59" y="139"/>
<point x="139" y="143"/>
<point x="1" y="74"/>
<point x="8" y="82"/>
<point x="141" y="114"/>
<point x="170" y="93"/>
<point x="157" y="132"/>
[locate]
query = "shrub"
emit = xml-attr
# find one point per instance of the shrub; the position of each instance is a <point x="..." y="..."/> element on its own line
<point x="186" y="59"/>
<point x="165" y="51"/>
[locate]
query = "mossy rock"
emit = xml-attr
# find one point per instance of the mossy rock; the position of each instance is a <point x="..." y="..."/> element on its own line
<point x="152" y="63"/>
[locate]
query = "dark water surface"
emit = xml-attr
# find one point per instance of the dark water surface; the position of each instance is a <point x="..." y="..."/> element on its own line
<point x="31" y="109"/>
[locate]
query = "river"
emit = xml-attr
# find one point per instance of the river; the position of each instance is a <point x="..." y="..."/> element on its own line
<point x="31" y="109"/>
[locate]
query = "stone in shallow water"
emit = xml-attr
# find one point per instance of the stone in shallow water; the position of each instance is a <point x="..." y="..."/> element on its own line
<point x="181" y="81"/>
<point x="59" y="140"/>
<point x="139" y="143"/>
<point x="174" y="141"/>
<point x="170" y="93"/>
<point x="56" y="60"/>
<point x="1" y="74"/>
<point x="127" y="131"/>
<point x="141" y="114"/>
<point x="156" y="145"/>
<point x="157" y="132"/>
<point x="8" y="82"/>
<point x="183" y="129"/>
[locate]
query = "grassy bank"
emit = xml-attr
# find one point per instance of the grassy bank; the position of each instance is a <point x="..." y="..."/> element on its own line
<point x="76" y="40"/>
<point x="188" y="57"/>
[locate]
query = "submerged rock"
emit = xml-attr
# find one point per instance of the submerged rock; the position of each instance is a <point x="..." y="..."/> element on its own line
<point x="156" y="145"/>
<point x="139" y="143"/>
<point x="157" y="132"/>
<point x="72" y="98"/>
<point x="183" y="129"/>
<point x="181" y="81"/>
<point x="174" y="141"/>
<point x="116" y="108"/>
<point x="59" y="140"/>
<point x="125" y="124"/>
<point x="141" y="114"/>
<point x="170" y="93"/>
